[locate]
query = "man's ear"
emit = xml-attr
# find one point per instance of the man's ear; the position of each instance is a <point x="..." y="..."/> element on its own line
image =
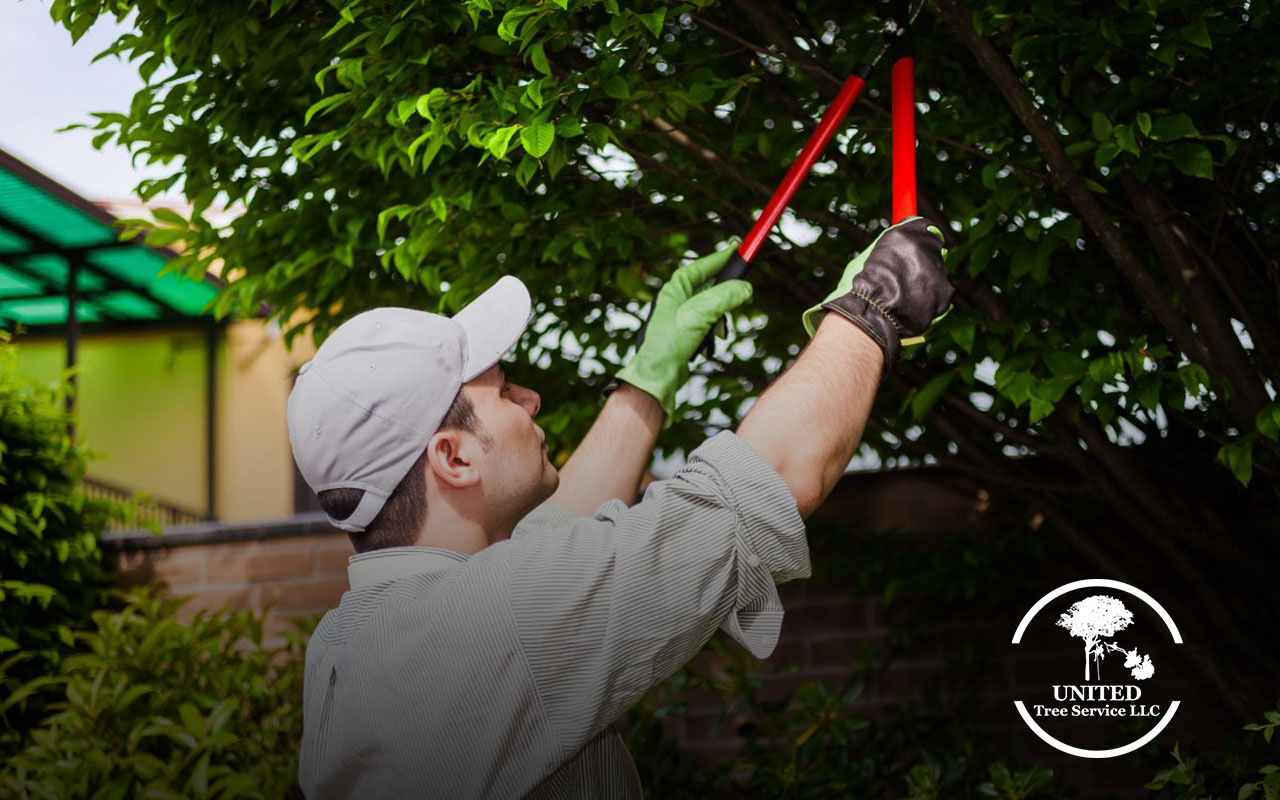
<point x="451" y="456"/>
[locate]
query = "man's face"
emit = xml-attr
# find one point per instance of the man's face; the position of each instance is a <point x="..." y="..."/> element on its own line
<point x="516" y="473"/>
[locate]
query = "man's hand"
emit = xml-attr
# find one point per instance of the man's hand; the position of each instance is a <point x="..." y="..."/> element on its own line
<point x="894" y="290"/>
<point x="681" y="317"/>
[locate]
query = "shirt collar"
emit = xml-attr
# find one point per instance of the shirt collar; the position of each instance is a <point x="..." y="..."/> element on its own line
<point x="391" y="563"/>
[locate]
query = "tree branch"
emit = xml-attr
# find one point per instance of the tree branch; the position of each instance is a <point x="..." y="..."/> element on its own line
<point x="1069" y="182"/>
<point x="1247" y="396"/>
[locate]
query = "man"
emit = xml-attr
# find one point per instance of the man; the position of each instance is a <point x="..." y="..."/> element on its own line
<point x="501" y="617"/>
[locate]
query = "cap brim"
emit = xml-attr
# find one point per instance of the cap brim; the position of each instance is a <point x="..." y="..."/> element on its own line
<point x="493" y="323"/>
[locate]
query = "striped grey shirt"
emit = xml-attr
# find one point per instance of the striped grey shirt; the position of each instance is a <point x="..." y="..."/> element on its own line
<point x="500" y="674"/>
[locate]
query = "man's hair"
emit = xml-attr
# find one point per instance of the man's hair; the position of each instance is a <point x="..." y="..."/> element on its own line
<point x="405" y="512"/>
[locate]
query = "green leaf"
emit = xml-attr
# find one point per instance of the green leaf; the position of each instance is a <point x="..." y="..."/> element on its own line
<point x="192" y="720"/>
<point x="168" y="216"/>
<point x="1238" y="457"/>
<point x="439" y="207"/>
<point x="1108" y="30"/>
<point x="1125" y="138"/>
<point x="654" y="21"/>
<point x="405" y="109"/>
<point x="508" y="29"/>
<point x="384" y="218"/>
<point x="425" y="102"/>
<point x="981" y="255"/>
<point x="525" y="171"/>
<point x="1268" y="421"/>
<point x="351" y="72"/>
<point x="1063" y="363"/>
<point x="491" y="45"/>
<point x="500" y="140"/>
<point x="1197" y="33"/>
<point x="616" y="87"/>
<point x="1146" y="391"/>
<point x="1106" y="154"/>
<point x="532" y="97"/>
<point x="1173" y="126"/>
<point x="568" y="127"/>
<point x="929" y="395"/>
<point x="1039" y="409"/>
<point x="537" y="139"/>
<point x="963" y="334"/>
<point x="1194" y="160"/>
<point x="200" y="776"/>
<point x="1101" y="127"/>
<point x="324" y="105"/>
<point x="597" y="134"/>
<point x="557" y="158"/>
<point x="163" y="237"/>
<point x="538" y="57"/>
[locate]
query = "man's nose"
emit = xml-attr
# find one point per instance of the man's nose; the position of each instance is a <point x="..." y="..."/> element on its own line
<point x="529" y="399"/>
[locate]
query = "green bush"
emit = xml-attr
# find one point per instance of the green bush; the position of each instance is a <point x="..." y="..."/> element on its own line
<point x="817" y="743"/>
<point x="1239" y="768"/>
<point x="151" y="706"/>
<point x="52" y="572"/>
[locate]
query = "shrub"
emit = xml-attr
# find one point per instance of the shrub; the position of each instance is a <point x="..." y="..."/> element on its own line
<point x="816" y="743"/>
<point x="52" y="573"/>
<point x="151" y="706"/>
<point x="1239" y="768"/>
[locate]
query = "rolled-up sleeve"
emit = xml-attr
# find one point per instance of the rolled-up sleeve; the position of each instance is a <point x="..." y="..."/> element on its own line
<point x="607" y="606"/>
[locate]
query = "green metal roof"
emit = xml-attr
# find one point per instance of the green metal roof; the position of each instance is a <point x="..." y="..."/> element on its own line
<point x="45" y="229"/>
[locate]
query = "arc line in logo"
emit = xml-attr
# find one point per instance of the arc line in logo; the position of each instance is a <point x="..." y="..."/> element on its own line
<point x="1100" y="583"/>
<point x="1083" y="753"/>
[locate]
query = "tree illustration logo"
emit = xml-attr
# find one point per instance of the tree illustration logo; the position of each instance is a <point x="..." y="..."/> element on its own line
<point x="1100" y="617"/>
<point x="1116" y="702"/>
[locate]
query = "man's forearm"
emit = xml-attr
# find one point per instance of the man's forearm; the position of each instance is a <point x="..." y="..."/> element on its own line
<point x="808" y="424"/>
<point x="613" y="455"/>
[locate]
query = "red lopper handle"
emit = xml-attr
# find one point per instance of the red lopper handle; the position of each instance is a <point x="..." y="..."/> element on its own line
<point x="804" y="162"/>
<point x="904" y="138"/>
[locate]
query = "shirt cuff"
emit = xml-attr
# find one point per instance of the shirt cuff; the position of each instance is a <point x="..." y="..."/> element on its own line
<point x="769" y="539"/>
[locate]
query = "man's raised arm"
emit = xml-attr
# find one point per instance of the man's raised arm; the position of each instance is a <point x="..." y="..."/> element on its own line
<point x="612" y="456"/>
<point x="807" y="425"/>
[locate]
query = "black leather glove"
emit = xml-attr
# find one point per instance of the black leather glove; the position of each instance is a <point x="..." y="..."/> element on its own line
<point x="895" y="289"/>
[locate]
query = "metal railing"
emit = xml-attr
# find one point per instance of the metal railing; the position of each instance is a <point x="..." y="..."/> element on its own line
<point x="146" y="508"/>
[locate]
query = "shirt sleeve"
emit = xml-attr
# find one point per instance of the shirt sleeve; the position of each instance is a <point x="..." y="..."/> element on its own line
<point x="607" y="606"/>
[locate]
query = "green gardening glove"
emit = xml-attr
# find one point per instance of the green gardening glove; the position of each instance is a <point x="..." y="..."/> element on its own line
<point x="681" y="317"/>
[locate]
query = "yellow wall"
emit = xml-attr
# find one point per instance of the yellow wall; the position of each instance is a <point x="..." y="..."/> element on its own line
<point x="142" y="405"/>
<point x="255" y="466"/>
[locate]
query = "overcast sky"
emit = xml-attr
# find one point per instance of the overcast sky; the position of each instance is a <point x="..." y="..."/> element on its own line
<point x="46" y="83"/>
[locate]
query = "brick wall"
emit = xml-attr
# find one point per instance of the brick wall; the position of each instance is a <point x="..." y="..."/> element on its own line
<point x="291" y="574"/>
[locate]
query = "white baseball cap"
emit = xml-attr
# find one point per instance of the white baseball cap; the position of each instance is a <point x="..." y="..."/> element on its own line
<point x="362" y="410"/>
